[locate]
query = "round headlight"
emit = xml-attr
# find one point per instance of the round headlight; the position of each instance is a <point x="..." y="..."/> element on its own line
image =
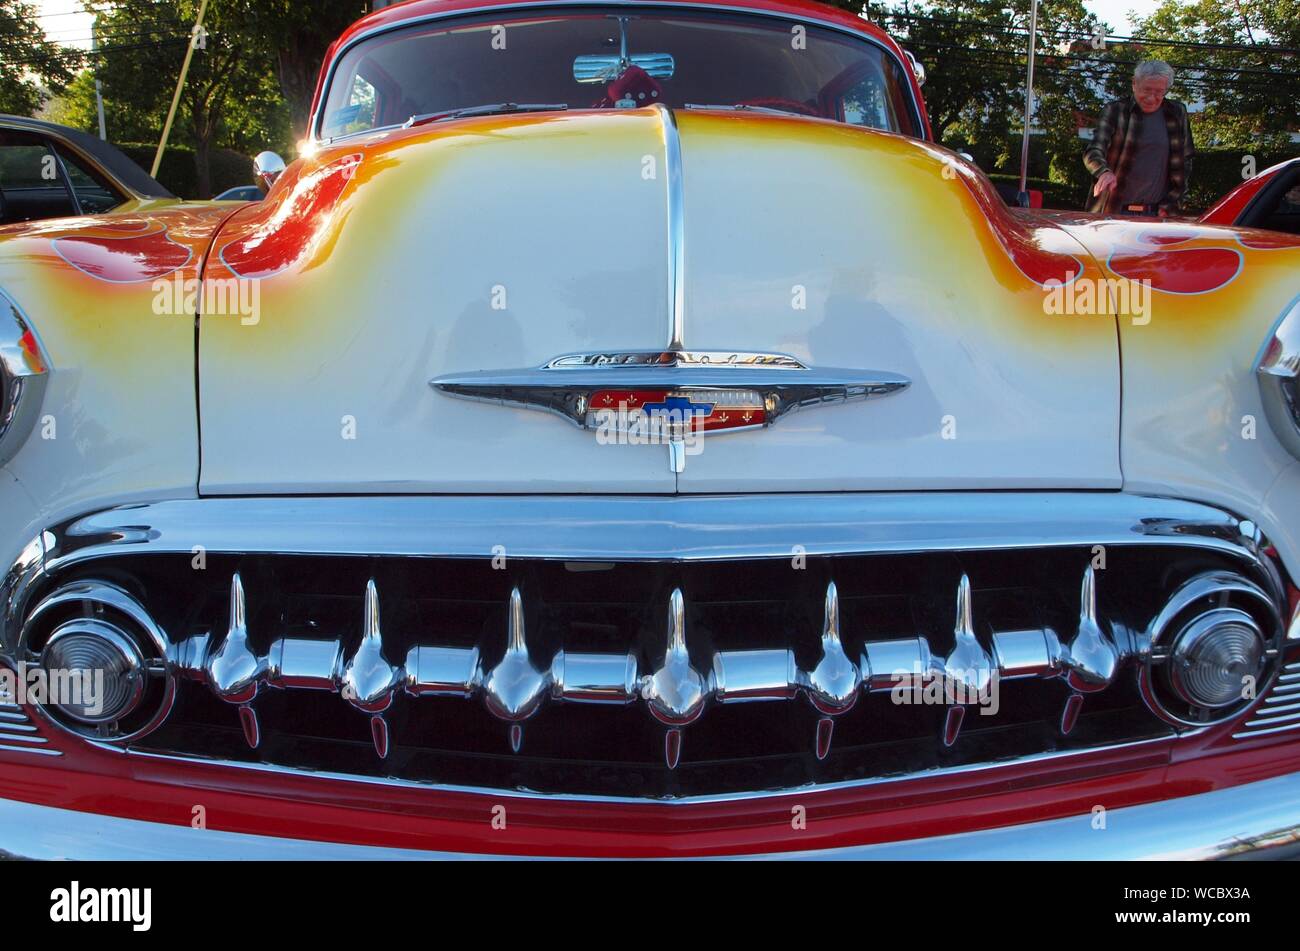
<point x="1216" y="658"/>
<point x="95" y="672"/>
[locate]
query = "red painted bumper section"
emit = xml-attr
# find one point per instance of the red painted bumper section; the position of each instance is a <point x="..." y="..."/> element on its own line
<point x="302" y="806"/>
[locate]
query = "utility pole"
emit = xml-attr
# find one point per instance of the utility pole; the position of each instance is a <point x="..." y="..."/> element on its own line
<point x="180" y="84"/>
<point x="99" y="98"/>
<point x="1022" y="198"/>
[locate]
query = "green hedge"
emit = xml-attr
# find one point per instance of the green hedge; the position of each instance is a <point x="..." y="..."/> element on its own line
<point x="177" y="174"/>
<point x="1217" y="172"/>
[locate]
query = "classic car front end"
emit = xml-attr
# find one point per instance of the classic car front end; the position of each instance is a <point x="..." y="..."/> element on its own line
<point x="717" y="467"/>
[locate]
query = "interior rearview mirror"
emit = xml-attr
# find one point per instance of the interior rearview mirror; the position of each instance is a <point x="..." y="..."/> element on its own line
<point x="604" y="67"/>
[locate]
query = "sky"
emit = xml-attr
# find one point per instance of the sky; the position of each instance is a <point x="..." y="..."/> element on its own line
<point x="65" y="22"/>
<point x="1115" y="12"/>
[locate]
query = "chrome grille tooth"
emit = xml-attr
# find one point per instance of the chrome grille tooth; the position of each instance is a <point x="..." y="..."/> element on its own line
<point x="968" y="669"/>
<point x="1092" y="657"/>
<point x="832" y="685"/>
<point x="234" y="670"/>
<point x="369" y="680"/>
<point x="515" y="687"/>
<point x="676" y="692"/>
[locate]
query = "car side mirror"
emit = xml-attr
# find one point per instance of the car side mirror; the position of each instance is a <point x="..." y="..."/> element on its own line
<point x="917" y="69"/>
<point x="268" y="166"/>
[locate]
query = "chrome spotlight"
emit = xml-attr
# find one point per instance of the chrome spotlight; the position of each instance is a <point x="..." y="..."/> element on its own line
<point x="1211" y="649"/>
<point x="95" y="671"/>
<point x="104" y="661"/>
<point x="1216" y="657"/>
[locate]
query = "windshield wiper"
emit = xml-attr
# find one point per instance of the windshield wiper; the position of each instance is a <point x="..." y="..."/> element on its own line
<point x="493" y="109"/>
<point x="745" y="107"/>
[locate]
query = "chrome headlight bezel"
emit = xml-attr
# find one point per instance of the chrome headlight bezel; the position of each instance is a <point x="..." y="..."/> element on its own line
<point x="24" y="370"/>
<point x="1278" y="372"/>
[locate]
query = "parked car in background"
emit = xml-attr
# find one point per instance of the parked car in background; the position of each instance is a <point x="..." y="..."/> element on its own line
<point x="52" y="171"/>
<point x="240" y="193"/>
<point x="624" y="431"/>
<point x="1270" y="200"/>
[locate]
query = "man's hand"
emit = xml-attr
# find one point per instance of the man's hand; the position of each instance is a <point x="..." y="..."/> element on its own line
<point x="1105" y="182"/>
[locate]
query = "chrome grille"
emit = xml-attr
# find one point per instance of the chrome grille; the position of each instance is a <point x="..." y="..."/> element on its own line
<point x="19" y="735"/>
<point x="1279" y="711"/>
<point x="666" y="681"/>
<point x="652" y="648"/>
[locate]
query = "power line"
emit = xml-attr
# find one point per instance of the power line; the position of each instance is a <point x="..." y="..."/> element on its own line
<point x="1015" y="64"/>
<point x="1202" y="88"/>
<point x="1065" y="32"/>
<point x="75" y="55"/>
<point x="43" y="16"/>
<point x="1093" y="60"/>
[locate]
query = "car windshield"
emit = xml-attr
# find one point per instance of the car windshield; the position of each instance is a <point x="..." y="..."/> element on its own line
<point x="594" y="59"/>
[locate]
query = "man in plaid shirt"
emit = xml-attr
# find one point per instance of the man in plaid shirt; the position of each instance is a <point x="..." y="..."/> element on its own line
<point x="1141" y="153"/>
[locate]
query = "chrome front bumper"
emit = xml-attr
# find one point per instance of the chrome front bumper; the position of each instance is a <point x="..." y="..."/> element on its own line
<point x="1254" y="820"/>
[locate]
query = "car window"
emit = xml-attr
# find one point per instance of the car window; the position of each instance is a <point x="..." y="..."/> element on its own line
<point x="1285" y="216"/>
<point x="1277" y="206"/>
<point x="31" y="184"/>
<point x="868" y="103"/>
<point x="94" y="193"/>
<point x="703" y="58"/>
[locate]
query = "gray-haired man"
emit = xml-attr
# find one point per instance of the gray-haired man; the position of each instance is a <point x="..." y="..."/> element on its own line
<point x="1141" y="153"/>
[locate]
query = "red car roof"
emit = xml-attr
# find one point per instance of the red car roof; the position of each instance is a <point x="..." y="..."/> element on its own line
<point x="794" y="9"/>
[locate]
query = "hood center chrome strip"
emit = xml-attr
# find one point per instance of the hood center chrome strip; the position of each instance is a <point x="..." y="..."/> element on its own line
<point x="675" y="203"/>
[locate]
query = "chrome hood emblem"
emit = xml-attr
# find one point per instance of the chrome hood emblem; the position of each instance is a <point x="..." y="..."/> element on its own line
<point x="670" y="396"/>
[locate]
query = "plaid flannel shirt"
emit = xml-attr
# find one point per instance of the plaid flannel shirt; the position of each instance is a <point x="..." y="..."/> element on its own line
<point x="1114" y="146"/>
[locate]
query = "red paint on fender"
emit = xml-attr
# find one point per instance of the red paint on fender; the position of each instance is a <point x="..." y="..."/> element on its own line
<point x="144" y="257"/>
<point x="1180" y="271"/>
<point x="277" y="232"/>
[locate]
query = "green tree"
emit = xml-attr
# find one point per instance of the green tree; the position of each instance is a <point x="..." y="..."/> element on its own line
<point x="27" y="58"/>
<point x="298" y="33"/>
<point x="124" y="120"/>
<point x="226" y="70"/>
<point x="251" y="77"/>
<point x="1250" y="96"/>
<point x="974" y="52"/>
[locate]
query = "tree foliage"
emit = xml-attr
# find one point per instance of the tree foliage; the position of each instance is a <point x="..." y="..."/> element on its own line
<point x="27" y="58"/>
<point x="250" y="81"/>
<point x="1250" y="95"/>
<point x="1244" y="88"/>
